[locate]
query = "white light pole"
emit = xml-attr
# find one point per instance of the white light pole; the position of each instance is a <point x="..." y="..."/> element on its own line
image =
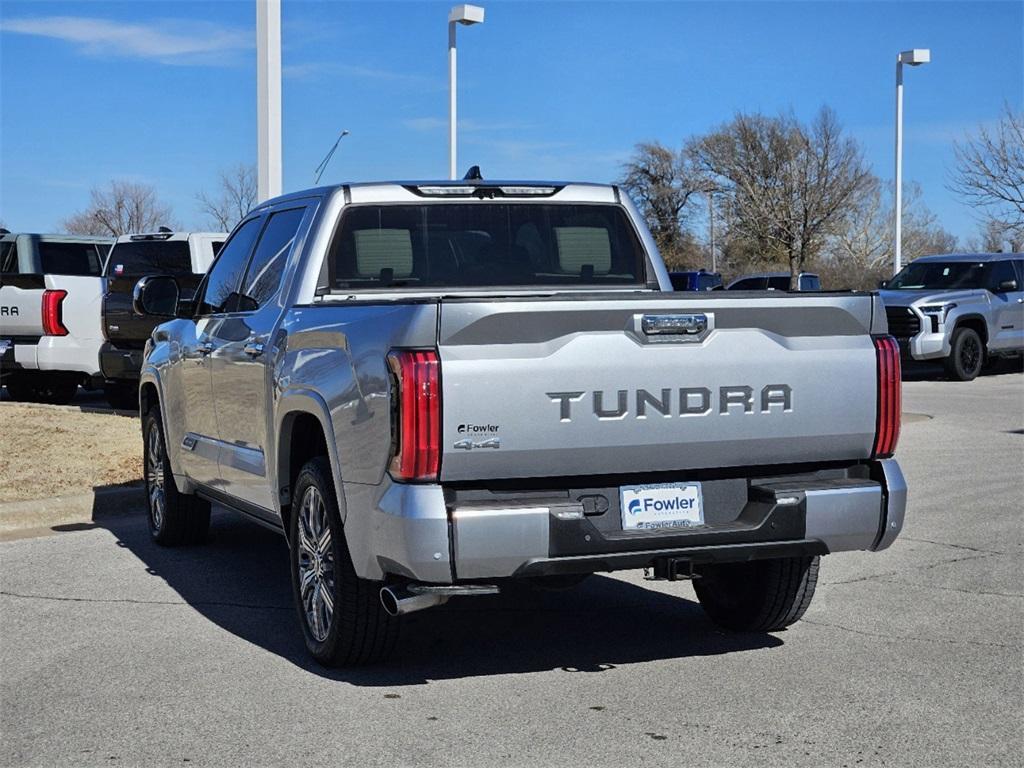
<point x="914" y="58"/>
<point x="460" y="14"/>
<point x="268" y="98"/>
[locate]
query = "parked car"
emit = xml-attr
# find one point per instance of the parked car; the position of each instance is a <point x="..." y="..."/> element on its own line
<point x="698" y="280"/>
<point x="774" y="281"/>
<point x="438" y="389"/>
<point x="958" y="308"/>
<point x="183" y="255"/>
<point x="50" y="295"/>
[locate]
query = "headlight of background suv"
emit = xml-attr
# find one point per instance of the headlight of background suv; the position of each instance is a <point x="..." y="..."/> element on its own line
<point x="937" y="313"/>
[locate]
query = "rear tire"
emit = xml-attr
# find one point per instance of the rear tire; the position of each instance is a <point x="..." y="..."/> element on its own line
<point x="175" y="518"/>
<point x="966" y="355"/>
<point x="343" y="621"/>
<point x="52" y="388"/>
<point x="757" y="596"/>
<point x="122" y="396"/>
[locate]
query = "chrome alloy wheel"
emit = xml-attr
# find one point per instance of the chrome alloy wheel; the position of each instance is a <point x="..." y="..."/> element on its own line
<point x="155" y="478"/>
<point x="316" y="564"/>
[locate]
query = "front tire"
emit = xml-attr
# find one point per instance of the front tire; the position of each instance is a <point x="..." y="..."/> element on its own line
<point x="342" y="618"/>
<point x="757" y="596"/>
<point x="175" y="518"/>
<point x="966" y="355"/>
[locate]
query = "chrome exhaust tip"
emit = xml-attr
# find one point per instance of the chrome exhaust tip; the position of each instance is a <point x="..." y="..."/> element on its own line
<point x="398" y="601"/>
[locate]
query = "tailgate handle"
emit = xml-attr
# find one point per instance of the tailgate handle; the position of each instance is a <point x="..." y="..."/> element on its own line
<point x="674" y="325"/>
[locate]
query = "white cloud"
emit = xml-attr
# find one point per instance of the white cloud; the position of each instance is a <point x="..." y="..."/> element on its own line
<point x="169" y="41"/>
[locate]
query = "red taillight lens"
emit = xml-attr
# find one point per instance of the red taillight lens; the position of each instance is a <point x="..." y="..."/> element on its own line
<point x="418" y="444"/>
<point x="887" y="430"/>
<point x="53" y="317"/>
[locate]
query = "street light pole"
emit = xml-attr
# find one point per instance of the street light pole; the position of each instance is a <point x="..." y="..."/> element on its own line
<point x="710" y="194"/>
<point x="466" y="15"/>
<point x="914" y="58"/>
<point x="268" y="98"/>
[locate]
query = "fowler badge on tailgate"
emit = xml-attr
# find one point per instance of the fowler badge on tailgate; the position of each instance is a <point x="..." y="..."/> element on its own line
<point x="661" y="506"/>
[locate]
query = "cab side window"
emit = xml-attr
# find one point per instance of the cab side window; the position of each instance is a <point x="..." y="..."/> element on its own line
<point x="221" y="291"/>
<point x="263" y="277"/>
<point x="8" y="257"/>
<point x="1002" y="271"/>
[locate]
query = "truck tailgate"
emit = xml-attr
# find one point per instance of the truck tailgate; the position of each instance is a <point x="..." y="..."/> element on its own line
<point x="581" y="386"/>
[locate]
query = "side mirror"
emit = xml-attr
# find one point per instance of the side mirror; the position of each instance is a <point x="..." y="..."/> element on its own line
<point x="156" y="296"/>
<point x="883" y="283"/>
<point x="1007" y="285"/>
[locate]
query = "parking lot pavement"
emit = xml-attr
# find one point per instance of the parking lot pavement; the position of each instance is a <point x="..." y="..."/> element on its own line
<point x="116" y="652"/>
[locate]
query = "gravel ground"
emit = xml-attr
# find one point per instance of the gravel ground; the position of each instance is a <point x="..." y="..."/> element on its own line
<point x="48" y="450"/>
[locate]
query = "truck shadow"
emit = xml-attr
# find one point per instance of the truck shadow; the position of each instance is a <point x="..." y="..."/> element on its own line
<point x="239" y="581"/>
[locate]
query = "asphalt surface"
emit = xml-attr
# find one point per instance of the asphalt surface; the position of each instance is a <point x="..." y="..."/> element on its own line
<point x="116" y="652"/>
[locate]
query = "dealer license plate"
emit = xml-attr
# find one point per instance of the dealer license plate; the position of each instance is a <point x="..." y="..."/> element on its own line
<point x="646" y="507"/>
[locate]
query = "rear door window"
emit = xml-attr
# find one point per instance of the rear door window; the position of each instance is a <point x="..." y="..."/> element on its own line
<point x="149" y="257"/>
<point x="266" y="269"/>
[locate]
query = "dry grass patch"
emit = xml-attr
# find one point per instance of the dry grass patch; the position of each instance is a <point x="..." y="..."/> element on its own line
<point x="52" y="451"/>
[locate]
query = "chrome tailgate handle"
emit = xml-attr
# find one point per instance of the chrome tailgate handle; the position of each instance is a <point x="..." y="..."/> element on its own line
<point x="689" y="325"/>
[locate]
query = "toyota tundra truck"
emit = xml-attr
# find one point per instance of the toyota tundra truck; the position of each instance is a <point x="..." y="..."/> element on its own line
<point x="50" y="296"/>
<point x="445" y="389"/>
<point x="958" y="309"/>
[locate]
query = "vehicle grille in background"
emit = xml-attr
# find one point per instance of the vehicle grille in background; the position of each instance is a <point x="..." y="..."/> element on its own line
<point x="903" y="323"/>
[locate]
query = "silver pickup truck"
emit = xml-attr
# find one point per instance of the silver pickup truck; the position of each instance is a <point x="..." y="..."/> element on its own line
<point x="960" y="309"/>
<point x="436" y="389"/>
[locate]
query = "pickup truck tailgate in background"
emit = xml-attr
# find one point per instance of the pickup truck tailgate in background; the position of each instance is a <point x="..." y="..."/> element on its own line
<point x="576" y="386"/>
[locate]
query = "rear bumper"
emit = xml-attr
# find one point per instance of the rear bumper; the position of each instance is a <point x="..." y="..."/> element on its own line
<point x="68" y="353"/>
<point x="427" y="533"/>
<point x="120" y="364"/>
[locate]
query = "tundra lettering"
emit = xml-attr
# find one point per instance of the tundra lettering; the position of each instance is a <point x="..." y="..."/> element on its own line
<point x="693" y="401"/>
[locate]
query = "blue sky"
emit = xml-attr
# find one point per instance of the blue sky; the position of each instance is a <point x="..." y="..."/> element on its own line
<point x="164" y="92"/>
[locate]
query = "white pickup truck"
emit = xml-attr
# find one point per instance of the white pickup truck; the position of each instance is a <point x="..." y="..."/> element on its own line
<point x="51" y="294"/>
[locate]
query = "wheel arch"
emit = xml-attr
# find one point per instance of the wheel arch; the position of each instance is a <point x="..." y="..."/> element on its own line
<point x="976" y="323"/>
<point x="304" y="430"/>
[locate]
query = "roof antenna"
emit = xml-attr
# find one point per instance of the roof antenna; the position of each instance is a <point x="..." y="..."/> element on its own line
<point x="319" y="170"/>
<point x="168" y="230"/>
<point x="473" y="174"/>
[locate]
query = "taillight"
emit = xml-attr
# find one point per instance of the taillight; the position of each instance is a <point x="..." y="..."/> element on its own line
<point x="418" y="414"/>
<point x="53" y="316"/>
<point x="887" y="429"/>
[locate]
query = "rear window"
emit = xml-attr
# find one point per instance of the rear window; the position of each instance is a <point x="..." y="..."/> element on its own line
<point x="443" y="245"/>
<point x="63" y="258"/>
<point x="149" y="257"/>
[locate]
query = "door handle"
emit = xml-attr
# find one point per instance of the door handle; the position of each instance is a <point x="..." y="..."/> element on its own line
<point x="253" y="348"/>
<point x="205" y="348"/>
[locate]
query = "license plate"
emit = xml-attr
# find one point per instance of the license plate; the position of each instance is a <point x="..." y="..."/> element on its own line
<point x="647" y="507"/>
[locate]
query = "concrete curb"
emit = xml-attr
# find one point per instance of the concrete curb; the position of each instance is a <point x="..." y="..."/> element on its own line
<point x="17" y="517"/>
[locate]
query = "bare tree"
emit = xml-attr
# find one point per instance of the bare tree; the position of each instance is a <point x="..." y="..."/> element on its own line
<point x="120" y="208"/>
<point x="990" y="171"/>
<point x="858" y="251"/>
<point x="235" y="196"/>
<point x="663" y="184"/>
<point x="786" y="184"/>
<point x="995" y="236"/>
